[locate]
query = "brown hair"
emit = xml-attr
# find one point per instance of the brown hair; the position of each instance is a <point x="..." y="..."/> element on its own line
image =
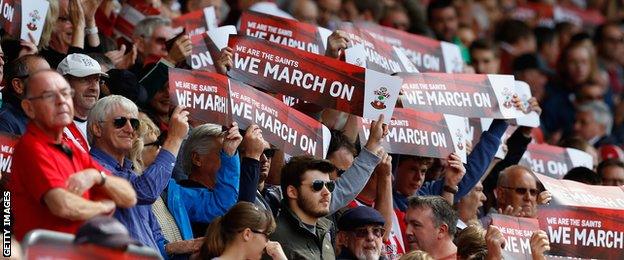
<point x="221" y="231"/>
<point x="416" y="255"/>
<point x="470" y="241"/>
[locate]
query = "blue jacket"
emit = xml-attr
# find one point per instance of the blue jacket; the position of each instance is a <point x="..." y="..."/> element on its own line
<point x="477" y="163"/>
<point x="12" y="119"/>
<point x="203" y="205"/>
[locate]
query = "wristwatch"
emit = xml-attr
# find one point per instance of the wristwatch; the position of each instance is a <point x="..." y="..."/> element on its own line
<point x="90" y="31"/>
<point x="452" y="190"/>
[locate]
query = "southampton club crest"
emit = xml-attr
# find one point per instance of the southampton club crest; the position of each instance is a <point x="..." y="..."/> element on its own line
<point x="381" y="95"/>
<point x="460" y="139"/>
<point x="34" y="18"/>
<point x="507" y="97"/>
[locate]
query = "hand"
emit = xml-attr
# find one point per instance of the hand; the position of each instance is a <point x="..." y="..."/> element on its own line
<point x="544" y="197"/>
<point x="76" y="14"/>
<point x="468" y="146"/>
<point x="253" y="143"/>
<point x="90" y="7"/>
<point x="121" y="59"/>
<point x="81" y="181"/>
<point x="455" y="172"/>
<point x="28" y="47"/>
<point x="336" y="42"/>
<point x="534" y="106"/>
<point x="517" y="103"/>
<point x="495" y="242"/>
<point x="181" y="49"/>
<point x="378" y="130"/>
<point x="224" y="62"/>
<point x="274" y="250"/>
<point x="539" y="244"/>
<point x="511" y="211"/>
<point x="384" y="168"/>
<point x="178" y="124"/>
<point x="108" y="207"/>
<point x="232" y="140"/>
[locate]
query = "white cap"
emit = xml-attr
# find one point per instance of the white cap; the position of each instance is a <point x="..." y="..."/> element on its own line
<point x="79" y="65"/>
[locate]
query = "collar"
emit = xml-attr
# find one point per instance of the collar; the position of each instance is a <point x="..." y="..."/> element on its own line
<point x="105" y="158"/>
<point x="80" y="120"/>
<point x="322" y="224"/>
<point x="39" y="134"/>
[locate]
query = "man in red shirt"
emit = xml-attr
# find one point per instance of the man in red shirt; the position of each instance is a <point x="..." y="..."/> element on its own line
<point x="55" y="184"/>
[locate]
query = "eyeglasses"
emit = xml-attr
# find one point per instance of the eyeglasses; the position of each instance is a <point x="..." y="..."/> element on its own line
<point x="317" y="185"/>
<point x="269" y="153"/>
<point x="522" y="191"/>
<point x="266" y="236"/>
<point x="47" y="96"/>
<point x="363" y="232"/>
<point x="120" y="122"/>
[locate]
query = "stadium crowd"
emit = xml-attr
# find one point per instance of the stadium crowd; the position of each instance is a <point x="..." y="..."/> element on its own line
<point x="100" y="137"/>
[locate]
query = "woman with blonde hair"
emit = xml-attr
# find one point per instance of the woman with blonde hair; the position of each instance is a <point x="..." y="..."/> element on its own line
<point x="242" y="233"/>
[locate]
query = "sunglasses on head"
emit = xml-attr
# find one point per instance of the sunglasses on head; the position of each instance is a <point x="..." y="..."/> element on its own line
<point x="317" y="185"/>
<point x="120" y="122"/>
<point x="363" y="232"/>
<point x="522" y="191"/>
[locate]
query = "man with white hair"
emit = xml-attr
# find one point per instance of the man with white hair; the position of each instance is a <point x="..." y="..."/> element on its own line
<point x="150" y="37"/>
<point x="361" y="230"/>
<point x="112" y="126"/>
<point x="593" y="123"/>
<point x="84" y="76"/>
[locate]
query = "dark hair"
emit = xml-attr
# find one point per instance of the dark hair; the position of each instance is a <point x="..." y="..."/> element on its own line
<point x="511" y="31"/>
<point x="102" y="59"/>
<point x="579" y="37"/>
<point x="437" y="4"/>
<point x="221" y="231"/>
<point x="340" y="140"/>
<point x="544" y="35"/>
<point x="599" y="32"/>
<point x="442" y="211"/>
<point x="293" y="171"/>
<point x="484" y="44"/>
<point x="583" y="175"/>
<point x="18" y="68"/>
<point x="375" y="7"/>
<point x="608" y="163"/>
<point x="574" y="142"/>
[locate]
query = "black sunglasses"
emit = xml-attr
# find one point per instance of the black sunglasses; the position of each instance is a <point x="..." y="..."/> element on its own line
<point x="269" y="153"/>
<point x="522" y="191"/>
<point x="317" y="185"/>
<point x="120" y="122"/>
<point x="363" y="232"/>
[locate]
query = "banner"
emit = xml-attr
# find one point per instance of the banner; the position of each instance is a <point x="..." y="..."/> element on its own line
<point x="554" y="161"/>
<point x="205" y="95"/>
<point x="18" y="20"/>
<point x="132" y="12"/>
<point x="374" y="54"/>
<point x="427" y="54"/>
<point x="467" y="95"/>
<point x="213" y="98"/>
<point x="7" y="144"/>
<point x="283" y="31"/>
<point x="531" y="118"/>
<point x="321" y="80"/>
<point x="197" y="22"/>
<point x="548" y="15"/>
<point x="583" y="220"/>
<point x="517" y="233"/>
<point x="422" y="134"/>
<point x="207" y="47"/>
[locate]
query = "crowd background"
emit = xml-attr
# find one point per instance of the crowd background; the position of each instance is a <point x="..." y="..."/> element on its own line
<point x="101" y="137"/>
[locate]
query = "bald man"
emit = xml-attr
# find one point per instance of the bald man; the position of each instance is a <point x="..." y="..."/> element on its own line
<point x="516" y="192"/>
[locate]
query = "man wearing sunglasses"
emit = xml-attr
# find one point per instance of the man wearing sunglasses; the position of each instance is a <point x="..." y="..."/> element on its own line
<point x="361" y="231"/>
<point x="516" y="192"/>
<point x="112" y="129"/>
<point x="84" y="76"/>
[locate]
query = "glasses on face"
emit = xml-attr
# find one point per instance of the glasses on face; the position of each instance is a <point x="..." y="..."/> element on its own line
<point x="363" y="232"/>
<point x="317" y="185"/>
<point x="120" y="122"/>
<point x="522" y="191"/>
<point x="269" y="153"/>
<point x="266" y="236"/>
<point x="48" y="96"/>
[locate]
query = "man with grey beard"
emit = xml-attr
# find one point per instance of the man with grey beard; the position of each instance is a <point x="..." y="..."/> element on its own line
<point x="361" y="231"/>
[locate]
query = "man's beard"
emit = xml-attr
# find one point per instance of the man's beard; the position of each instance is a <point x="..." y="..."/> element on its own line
<point x="368" y="254"/>
<point x="307" y="204"/>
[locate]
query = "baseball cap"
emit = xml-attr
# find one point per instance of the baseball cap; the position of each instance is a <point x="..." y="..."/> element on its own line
<point x="105" y="231"/>
<point x="79" y="65"/>
<point x="531" y="61"/>
<point x="610" y="151"/>
<point x="358" y="217"/>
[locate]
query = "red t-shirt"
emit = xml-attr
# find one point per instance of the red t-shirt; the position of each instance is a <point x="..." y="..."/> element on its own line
<point x="39" y="166"/>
